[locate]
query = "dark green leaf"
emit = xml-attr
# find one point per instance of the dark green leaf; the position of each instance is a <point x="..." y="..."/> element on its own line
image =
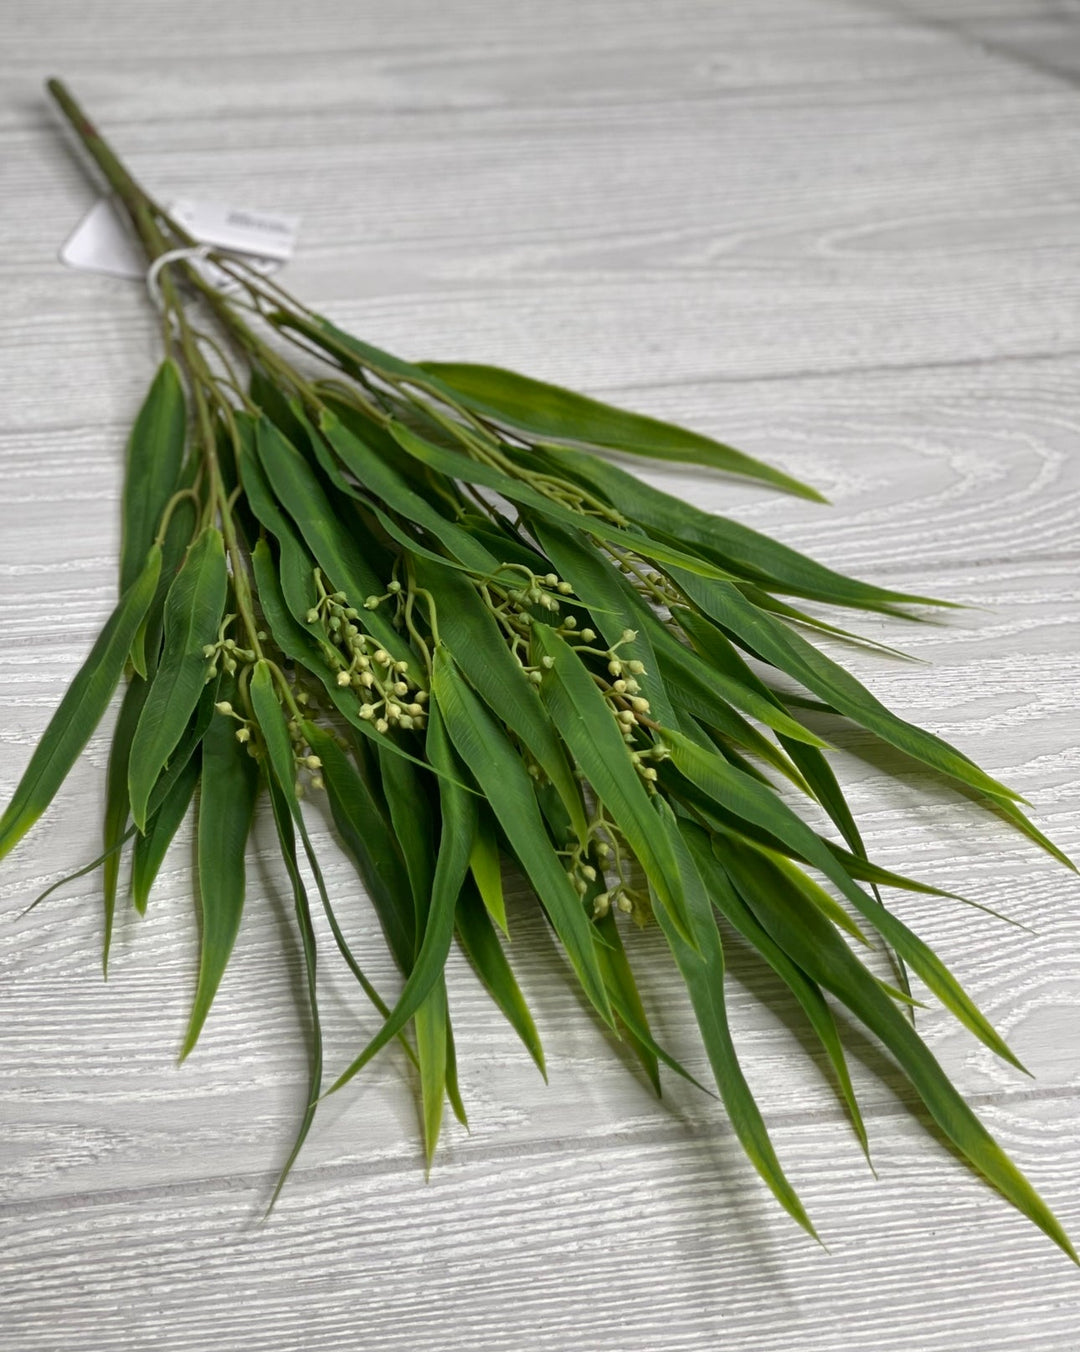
<point x="193" y="611"/>
<point x="80" y="710"/>
<point x="226" y="806"/>
<point x="155" y="454"/>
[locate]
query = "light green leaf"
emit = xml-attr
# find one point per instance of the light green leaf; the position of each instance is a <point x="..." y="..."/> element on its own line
<point x="551" y="413"/>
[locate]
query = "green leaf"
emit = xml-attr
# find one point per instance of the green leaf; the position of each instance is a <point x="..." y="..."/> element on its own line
<point x="287" y="841"/>
<point x="117" y="805"/>
<point x="456" y="465"/>
<point x="482" y="745"/>
<point x="150" y="849"/>
<point x="80" y="710"/>
<point x="384" y="481"/>
<point x="729" y="544"/>
<point x="487" y="870"/>
<point x="458" y="816"/>
<point x="478" y="938"/>
<point x="623" y="993"/>
<point x="230" y="781"/>
<point x="702" y="968"/>
<point x="155" y="454"/>
<point x="613" y="604"/>
<point x="470" y="632"/>
<point x="731" y="906"/>
<point x="746" y="798"/>
<point x="365" y="835"/>
<point x="193" y="611"/>
<point x="298" y="490"/>
<point x="811" y="942"/>
<point x="587" y="725"/>
<point x="551" y="413"/>
<point x="776" y="643"/>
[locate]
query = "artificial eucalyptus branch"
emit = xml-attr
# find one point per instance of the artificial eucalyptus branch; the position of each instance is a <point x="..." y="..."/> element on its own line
<point x="416" y="590"/>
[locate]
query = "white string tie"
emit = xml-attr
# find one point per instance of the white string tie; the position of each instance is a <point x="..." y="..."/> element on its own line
<point x="163" y="260"/>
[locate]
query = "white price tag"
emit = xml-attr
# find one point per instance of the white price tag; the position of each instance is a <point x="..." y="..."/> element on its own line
<point x="103" y="241"/>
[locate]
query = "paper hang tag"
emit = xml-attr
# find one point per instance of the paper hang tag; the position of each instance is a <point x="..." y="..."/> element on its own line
<point x="103" y="241"/>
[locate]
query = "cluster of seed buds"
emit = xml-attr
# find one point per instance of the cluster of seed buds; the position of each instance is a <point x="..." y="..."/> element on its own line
<point x="511" y="605"/>
<point x="244" y="731"/>
<point x="606" y="847"/>
<point x="388" y="697"/>
<point x="226" y="653"/>
<point x="629" y="705"/>
<point x="304" y="759"/>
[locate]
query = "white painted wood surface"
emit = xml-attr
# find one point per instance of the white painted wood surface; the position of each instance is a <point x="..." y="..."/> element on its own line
<point x="842" y="235"/>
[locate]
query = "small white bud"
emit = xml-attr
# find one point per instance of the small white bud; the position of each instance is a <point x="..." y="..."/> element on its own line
<point x="636" y="667"/>
<point x="547" y="662"/>
<point x="618" y="686"/>
<point x="400" y="688"/>
<point x="552" y="579"/>
<point x="393" y="587"/>
<point x="569" y="622"/>
<point x="589" y="872"/>
<point x="382" y="656"/>
<point x="639" y="705"/>
<point x="626" y="717"/>
<point x="313" y="762"/>
<point x="312" y="617"/>
<point x="317" y="782"/>
<point x="370" y="602"/>
<point x="223" y="706"/>
<point x="535" y="677"/>
<point x="414" y="710"/>
<point x="243" y="735"/>
<point x="649" y="773"/>
<point x="343" y="678"/>
<point x="615" y="667"/>
<point x="632" y="686"/>
<point x="367" y="711"/>
<point x="209" y="650"/>
<point x="381" y="725"/>
<point x="588" y="635"/>
<point x="628" y="636"/>
<point x="565" y="588"/>
<point x="624" y="903"/>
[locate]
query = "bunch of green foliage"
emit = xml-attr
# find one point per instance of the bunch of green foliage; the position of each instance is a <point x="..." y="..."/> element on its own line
<point x="417" y="590"/>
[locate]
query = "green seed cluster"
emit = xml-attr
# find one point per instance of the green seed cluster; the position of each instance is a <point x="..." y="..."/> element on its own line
<point x="388" y="696"/>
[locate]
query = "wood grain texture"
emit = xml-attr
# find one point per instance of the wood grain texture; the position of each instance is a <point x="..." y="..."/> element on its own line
<point x="842" y="236"/>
